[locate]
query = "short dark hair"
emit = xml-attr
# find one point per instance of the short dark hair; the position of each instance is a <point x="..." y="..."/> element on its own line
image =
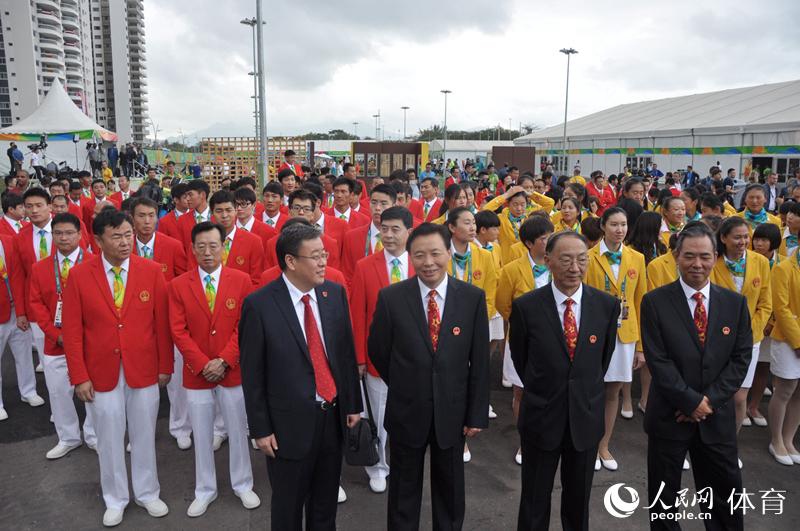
<point x="288" y="153"/>
<point x="486" y="219"/>
<point x="315" y="189"/>
<point x="221" y="196"/>
<point x="98" y="181"/>
<point x="770" y="232"/>
<point x="590" y="227"/>
<point x="344" y="181"/>
<point x="398" y="213"/>
<point x="554" y="239"/>
<point x="109" y="218"/>
<point x="346" y="166"/>
<point x="665" y="204"/>
<point x="273" y="187"/>
<point x="36" y="192"/>
<point x="66" y="217"/>
<point x="81" y="174"/>
<point x="386" y="190"/>
<point x="284" y="173"/>
<point x="534" y="228"/>
<point x="75" y="185"/>
<point x="207" y="226"/>
<point x="453" y="215"/>
<point x="400" y="187"/>
<point x="145" y="202"/>
<point x="245" y="181"/>
<point x="791" y="206"/>
<point x="426" y="229"/>
<point x="610" y="212"/>
<point x="727" y="226"/>
<point x="433" y="180"/>
<point x="291" y="238"/>
<point x="712" y="201"/>
<point x="245" y="194"/>
<point x="695" y="229"/>
<point x="303" y="195"/>
<point x="11" y="200"/>
<point x="199" y="185"/>
<point x="178" y="190"/>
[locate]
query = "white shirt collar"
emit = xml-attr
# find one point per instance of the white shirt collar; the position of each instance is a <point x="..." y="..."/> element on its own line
<point x="247" y="226"/>
<point x="321" y="222"/>
<point x="107" y="265"/>
<point x="206" y="214"/>
<point x="441" y="289"/>
<point x="231" y="234"/>
<point x="357" y="208"/>
<point x="46" y="228"/>
<point x="431" y="202"/>
<point x="13" y="223"/>
<point x="403" y="258"/>
<point x="294" y="292"/>
<point x="561" y="297"/>
<point x="214" y="275"/>
<point x="689" y="291"/>
<point x="73" y="257"/>
<point x="346" y="213"/>
<point x="151" y="244"/>
<point x="604" y="248"/>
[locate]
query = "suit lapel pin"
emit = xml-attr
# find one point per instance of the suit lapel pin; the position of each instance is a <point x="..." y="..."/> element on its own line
<point x="325" y="294"/>
<point x="726" y="331"/>
<point x="144" y="295"/>
<point x="592" y="339"/>
<point x="456" y="331"/>
<point x="756" y="282"/>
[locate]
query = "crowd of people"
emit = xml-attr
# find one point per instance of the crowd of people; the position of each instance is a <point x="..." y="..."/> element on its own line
<point x="267" y="314"/>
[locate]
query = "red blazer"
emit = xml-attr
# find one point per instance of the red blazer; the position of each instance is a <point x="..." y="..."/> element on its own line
<point x="23" y="247"/>
<point x="168" y="224"/>
<point x="606" y="198"/>
<point x="334" y="260"/>
<point x="296" y="168"/>
<point x="281" y="220"/>
<point x="98" y="338"/>
<point x="369" y="278"/>
<point x="87" y="210"/>
<point x="16" y="282"/>
<point x="336" y="228"/>
<point x="201" y="335"/>
<point x="246" y="255"/>
<point x="418" y="210"/>
<point x="167" y="252"/>
<point x="185" y="225"/>
<point x="6" y="229"/>
<point x="116" y="197"/>
<point x="357" y="219"/>
<point x="43" y="299"/>
<point x="334" y="275"/>
<point x="354" y="249"/>
<point x="74" y="209"/>
<point x="259" y="210"/>
<point x="263" y="231"/>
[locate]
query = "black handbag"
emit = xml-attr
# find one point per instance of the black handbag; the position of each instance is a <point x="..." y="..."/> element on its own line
<point x="362" y="443"/>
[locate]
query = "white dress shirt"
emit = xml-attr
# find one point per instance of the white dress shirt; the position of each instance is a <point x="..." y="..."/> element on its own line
<point x="110" y="274"/>
<point x="374" y="233"/>
<point x="561" y="306"/>
<point x="13" y="223"/>
<point x="272" y="222"/>
<point x="403" y="265"/>
<point x="214" y="278"/>
<point x="429" y="205"/>
<point x="246" y="226"/>
<point x="73" y="259"/>
<point x="300" y="310"/>
<point x="343" y="215"/>
<point x="205" y="214"/>
<point x="441" y="295"/>
<point x="737" y="281"/>
<point x="773" y="194"/>
<point x="151" y="245"/>
<point x="320" y="223"/>
<point x="48" y="235"/>
<point x="603" y="249"/>
<point x="542" y="280"/>
<point x="230" y="235"/>
<point x="689" y="293"/>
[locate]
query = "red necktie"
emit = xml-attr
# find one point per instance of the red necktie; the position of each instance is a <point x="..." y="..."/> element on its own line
<point x="326" y="386"/>
<point x="434" y="321"/>
<point x="570" y="329"/>
<point x="700" y="318"/>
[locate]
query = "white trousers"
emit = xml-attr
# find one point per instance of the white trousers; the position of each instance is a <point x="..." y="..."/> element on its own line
<point x="178" y="410"/>
<point x="20" y="343"/>
<point x="202" y="405"/>
<point x="378" y="391"/>
<point x="110" y="411"/>
<point x="38" y="340"/>
<point x="65" y="417"/>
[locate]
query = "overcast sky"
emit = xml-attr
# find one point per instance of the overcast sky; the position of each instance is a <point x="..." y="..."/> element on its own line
<point x="331" y="63"/>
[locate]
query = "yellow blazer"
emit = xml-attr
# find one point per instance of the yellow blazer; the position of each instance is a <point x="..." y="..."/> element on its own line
<point x="498" y="259"/>
<point x="516" y="279"/>
<point x="661" y="271"/>
<point x="517" y="250"/>
<point x="783" y="250"/>
<point x="631" y="267"/>
<point x="728" y="210"/>
<point x="555" y="217"/>
<point x="441" y="219"/>
<point x="756" y="289"/>
<point x="561" y="226"/>
<point x="484" y="274"/>
<point x="507" y="236"/>
<point x="785" y="287"/>
<point x="665" y="238"/>
<point x="775" y="220"/>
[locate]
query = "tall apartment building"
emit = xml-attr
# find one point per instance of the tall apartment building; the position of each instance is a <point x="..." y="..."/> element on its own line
<point x="95" y="48"/>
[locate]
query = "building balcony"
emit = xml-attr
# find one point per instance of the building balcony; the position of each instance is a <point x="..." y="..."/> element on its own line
<point x="52" y="59"/>
<point x="74" y="71"/>
<point x="75" y="84"/>
<point x="50" y="18"/>
<point x="73" y="60"/>
<point x="70" y="22"/>
<point x="50" y="45"/>
<point x="69" y="8"/>
<point x="49" y="4"/>
<point x="49" y="32"/>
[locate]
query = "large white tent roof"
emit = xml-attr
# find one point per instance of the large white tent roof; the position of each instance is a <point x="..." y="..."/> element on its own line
<point x="56" y="115"/>
<point x="763" y="108"/>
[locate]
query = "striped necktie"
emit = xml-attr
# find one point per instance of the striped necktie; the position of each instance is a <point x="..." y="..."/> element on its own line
<point x="211" y="292"/>
<point x="119" y="287"/>
<point x="43" y="250"/>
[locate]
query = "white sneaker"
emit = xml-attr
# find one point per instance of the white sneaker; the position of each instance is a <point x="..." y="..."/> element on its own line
<point x="250" y="499"/>
<point x="626" y="414"/>
<point x="112" y="517"/>
<point x="3" y="414"/>
<point x="686" y="465"/>
<point x="199" y="507"/>
<point x="40" y="368"/>
<point x="746" y="421"/>
<point x="342" y="495"/>
<point x="218" y="440"/>
<point x="155" y="508"/>
<point x="467" y="456"/>
<point x="184" y="443"/>
<point x="377" y="485"/>
<point x="507" y="384"/>
<point x="492" y="414"/>
<point x="60" y="450"/>
<point x="34" y="400"/>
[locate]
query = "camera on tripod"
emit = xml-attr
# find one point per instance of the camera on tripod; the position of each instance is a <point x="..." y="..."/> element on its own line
<point x="41" y="145"/>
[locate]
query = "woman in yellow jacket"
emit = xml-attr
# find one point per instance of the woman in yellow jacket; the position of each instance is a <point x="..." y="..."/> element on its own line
<point x="570" y="216"/>
<point x="791" y="231"/>
<point x="517" y="278"/>
<point x="746" y="272"/>
<point x="754" y="212"/>
<point x="619" y="271"/>
<point x="784" y="406"/>
<point x="471" y="264"/>
<point x="454" y="197"/>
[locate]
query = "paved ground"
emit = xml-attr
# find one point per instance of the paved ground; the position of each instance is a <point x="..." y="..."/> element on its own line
<point x="65" y="494"/>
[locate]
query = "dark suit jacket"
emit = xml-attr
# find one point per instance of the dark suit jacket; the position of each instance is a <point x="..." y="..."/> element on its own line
<point x="277" y="374"/>
<point x="555" y="388"/>
<point x="448" y="388"/>
<point x="683" y="371"/>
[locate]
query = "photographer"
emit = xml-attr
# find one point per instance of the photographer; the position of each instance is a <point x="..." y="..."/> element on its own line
<point x="36" y="160"/>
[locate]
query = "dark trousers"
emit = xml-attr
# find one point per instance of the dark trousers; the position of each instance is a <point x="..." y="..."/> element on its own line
<point x="538" y="473"/>
<point x="405" y="485"/>
<point x="713" y="465"/>
<point x="312" y="482"/>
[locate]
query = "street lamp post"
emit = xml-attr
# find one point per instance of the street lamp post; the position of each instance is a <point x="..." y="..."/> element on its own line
<point x="377" y="125"/>
<point x="444" y="130"/>
<point x="252" y="23"/>
<point x="405" y="110"/>
<point x="262" y="97"/>
<point x="355" y="129"/>
<point x="567" y="52"/>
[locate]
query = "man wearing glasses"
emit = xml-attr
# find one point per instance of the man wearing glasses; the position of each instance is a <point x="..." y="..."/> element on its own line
<point x="241" y="250"/>
<point x="246" y="218"/>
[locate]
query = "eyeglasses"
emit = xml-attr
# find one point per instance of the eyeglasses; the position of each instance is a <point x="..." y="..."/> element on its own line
<point x="316" y="257"/>
<point x="243" y="204"/>
<point x="59" y="233"/>
<point x="302" y="209"/>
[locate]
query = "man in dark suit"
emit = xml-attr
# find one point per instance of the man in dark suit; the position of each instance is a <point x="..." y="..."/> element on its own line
<point x="429" y="341"/>
<point x="697" y="342"/>
<point x="561" y="338"/>
<point x="300" y="387"/>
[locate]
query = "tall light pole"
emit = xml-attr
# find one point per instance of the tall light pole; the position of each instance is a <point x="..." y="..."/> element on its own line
<point x="377" y="125"/>
<point x="252" y="23"/>
<point x="355" y="129"/>
<point x="405" y="110"/>
<point x="262" y="97"/>
<point x="444" y="129"/>
<point x="567" y="52"/>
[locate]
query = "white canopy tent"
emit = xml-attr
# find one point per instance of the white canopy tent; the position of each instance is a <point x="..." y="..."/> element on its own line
<point x="63" y="126"/>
